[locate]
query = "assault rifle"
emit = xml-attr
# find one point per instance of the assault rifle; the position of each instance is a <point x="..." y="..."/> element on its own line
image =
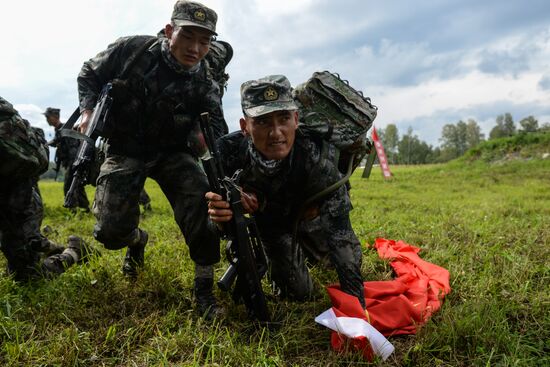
<point x="66" y="130"/>
<point x="244" y="251"/>
<point x="86" y="151"/>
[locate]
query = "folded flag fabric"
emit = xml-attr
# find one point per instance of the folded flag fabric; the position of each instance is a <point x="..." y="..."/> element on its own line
<point x="364" y="336"/>
<point x="394" y="307"/>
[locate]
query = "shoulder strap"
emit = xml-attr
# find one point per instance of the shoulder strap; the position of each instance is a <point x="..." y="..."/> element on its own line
<point x="76" y="114"/>
<point x="134" y="58"/>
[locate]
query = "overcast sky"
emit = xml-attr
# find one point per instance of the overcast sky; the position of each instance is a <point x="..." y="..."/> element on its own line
<point x="424" y="63"/>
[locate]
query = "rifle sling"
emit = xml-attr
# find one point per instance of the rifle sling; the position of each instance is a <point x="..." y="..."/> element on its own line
<point x="71" y="121"/>
<point x="75" y="135"/>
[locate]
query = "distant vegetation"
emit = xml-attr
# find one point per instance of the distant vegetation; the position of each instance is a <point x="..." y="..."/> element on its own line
<point x="519" y="146"/>
<point x="456" y="139"/>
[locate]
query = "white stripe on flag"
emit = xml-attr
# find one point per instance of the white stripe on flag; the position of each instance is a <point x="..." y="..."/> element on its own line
<point x="353" y="327"/>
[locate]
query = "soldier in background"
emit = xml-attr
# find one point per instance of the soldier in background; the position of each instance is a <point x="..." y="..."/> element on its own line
<point x="66" y="151"/>
<point x="23" y="156"/>
<point x="280" y="169"/>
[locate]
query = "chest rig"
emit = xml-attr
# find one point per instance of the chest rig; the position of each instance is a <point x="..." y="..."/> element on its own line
<point x="154" y="107"/>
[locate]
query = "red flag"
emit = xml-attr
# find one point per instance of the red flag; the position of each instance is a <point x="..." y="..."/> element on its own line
<point x="395" y="307"/>
<point x="381" y="154"/>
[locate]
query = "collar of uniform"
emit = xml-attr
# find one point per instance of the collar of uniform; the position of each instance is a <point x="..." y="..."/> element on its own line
<point x="268" y="167"/>
<point x="173" y="64"/>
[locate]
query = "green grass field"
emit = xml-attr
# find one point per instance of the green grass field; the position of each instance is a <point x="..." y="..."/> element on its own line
<point x="489" y="225"/>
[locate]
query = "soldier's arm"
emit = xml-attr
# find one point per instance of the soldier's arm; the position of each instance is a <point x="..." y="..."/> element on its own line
<point x="345" y="248"/>
<point x="97" y="71"/>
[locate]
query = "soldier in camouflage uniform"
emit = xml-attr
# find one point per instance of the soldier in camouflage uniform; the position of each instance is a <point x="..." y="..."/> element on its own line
<point x="281" y="169"/>
<point x="66" y="151"/>
<point x="156" y="105"/>
<point x="21" y="209"/>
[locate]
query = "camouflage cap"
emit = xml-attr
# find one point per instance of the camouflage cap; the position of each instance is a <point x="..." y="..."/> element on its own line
<point x="269" y="94"/>
<point x="189" y="13"/>
<point x="50" y="111"/>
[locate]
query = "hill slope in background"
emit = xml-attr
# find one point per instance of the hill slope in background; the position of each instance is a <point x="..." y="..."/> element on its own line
<point x="520" y="146"/>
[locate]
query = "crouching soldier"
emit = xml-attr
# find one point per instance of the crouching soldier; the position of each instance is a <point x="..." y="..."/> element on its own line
<point x="23" y="156"/>
<point x="160" y="87"/>
<point x="281" y="169"/>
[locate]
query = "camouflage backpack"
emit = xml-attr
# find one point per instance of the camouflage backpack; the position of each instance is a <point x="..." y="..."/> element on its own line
<point x="23" y="148"/>
<point x="331" y="110"/>
<point x="218" y="57"/>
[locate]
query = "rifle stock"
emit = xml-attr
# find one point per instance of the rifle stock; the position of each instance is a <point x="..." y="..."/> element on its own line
<point x="244" y="250"/>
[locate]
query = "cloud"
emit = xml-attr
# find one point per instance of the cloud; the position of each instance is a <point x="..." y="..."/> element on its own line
<point x="424" y="64"/>
<point x="544" y="82"/>
<point x="33" y="114"/>
<point x="429" y="127"/>
<point x="440" y="102"/>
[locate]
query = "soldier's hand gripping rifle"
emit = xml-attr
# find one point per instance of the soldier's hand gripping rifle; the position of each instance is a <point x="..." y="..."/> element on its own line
<point x="244" y="250"/>
<point x="86" y="150"/>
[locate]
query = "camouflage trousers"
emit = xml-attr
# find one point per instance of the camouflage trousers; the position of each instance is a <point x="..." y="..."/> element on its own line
<point x="81" y="197"/>
<point x="116" y="204"/>
<point x="21" y="214"/>
<point x="327" y="239"/>
<point x="324" y="240"/>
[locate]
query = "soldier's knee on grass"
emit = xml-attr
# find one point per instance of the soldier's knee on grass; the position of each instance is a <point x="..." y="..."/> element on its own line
<point x="113" y="238"/>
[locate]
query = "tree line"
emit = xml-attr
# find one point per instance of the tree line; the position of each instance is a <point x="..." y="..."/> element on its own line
<point x="455" y="139"/>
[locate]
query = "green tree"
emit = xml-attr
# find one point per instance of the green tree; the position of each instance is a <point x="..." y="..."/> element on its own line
<point x="411" y="150"/>
<point x="504" y="127"/>
<point x="448" y="140"/>
<point x="390" y="140"/>
<point x="474" y="136"/>
<point x="529" y="124"/>
<point x="454" y="140"/>
<point x="545" y="127"/>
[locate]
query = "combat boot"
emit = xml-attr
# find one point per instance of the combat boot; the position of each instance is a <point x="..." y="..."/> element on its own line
<point x="77" y="252"/>
<point x="135" y="256"/>
<point x="205" y="301"/>
<point x="81" y="248"/>
<point x="46" y="246"/>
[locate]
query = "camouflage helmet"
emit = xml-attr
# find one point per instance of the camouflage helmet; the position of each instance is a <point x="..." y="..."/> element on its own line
<point x="50" y="111"/>
<point x="189" y="13"/>
<point x="265" y="95"/>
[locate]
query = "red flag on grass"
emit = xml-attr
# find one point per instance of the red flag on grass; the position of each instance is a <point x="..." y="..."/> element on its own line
<point x="394" y="307"/>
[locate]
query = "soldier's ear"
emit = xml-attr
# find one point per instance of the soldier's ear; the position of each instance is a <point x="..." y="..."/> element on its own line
<point x="168" y="30"/>
<point x="244" y="128"/>
<point x="296" y="117"/>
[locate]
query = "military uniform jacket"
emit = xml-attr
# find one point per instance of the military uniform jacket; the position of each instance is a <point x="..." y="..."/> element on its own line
<point x="67" y="148"/>
<point x="303" y="173"/>
<point x="156" y="102"/>
<point x="307" y="170"/>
